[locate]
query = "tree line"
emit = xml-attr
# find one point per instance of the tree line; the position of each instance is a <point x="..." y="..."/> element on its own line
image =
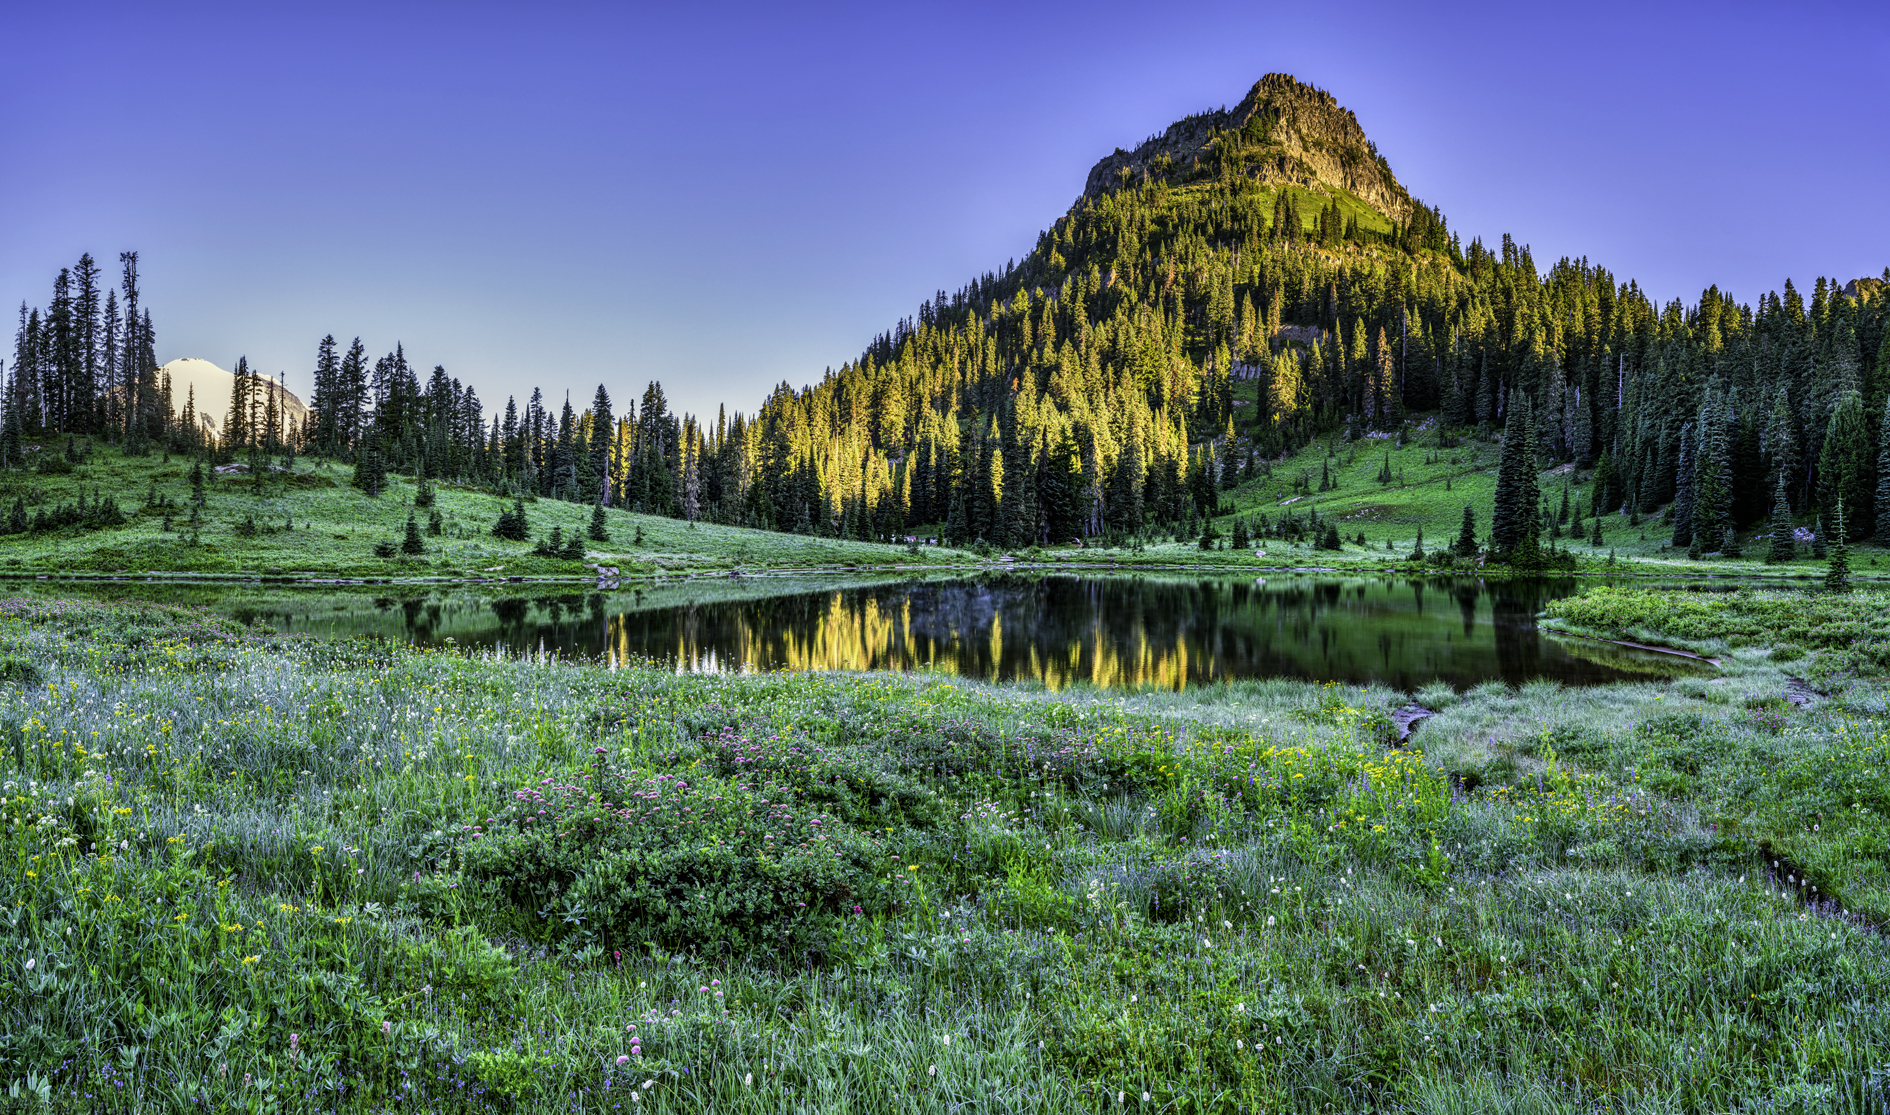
<point x="85" y="364"/>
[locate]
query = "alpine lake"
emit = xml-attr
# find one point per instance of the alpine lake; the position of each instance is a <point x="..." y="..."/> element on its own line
<point x="1056" y="628"/>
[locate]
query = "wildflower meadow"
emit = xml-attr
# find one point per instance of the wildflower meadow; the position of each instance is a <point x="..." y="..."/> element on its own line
<point x="246" y="872"/>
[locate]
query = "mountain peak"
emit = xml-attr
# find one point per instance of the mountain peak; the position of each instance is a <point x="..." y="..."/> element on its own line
<point x="1283" y="132"/>
<point x="209" y="388"/>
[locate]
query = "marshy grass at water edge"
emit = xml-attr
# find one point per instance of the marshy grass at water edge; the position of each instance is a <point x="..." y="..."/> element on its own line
<point x="247" y="873"/>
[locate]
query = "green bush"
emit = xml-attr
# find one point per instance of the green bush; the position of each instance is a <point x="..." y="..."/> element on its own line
<point x="511" y="1075"/>
<point x="17" y="669"/>
<point x="623" y="859"/>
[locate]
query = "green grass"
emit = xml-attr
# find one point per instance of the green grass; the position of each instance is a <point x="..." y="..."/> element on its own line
<point x="1813" y="801"/>
<point x="1205" y="187"/>
<point x="1418" y="498"/>
<point x="335" y="527"/>
<point x="1846" y="633"/>
<point x="1237" y="898"/>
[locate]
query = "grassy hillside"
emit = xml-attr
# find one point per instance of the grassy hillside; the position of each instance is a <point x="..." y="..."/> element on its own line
<point x="252" y="873"/>
<point x="1430" y="487"/>
<point x="310" y="520"/>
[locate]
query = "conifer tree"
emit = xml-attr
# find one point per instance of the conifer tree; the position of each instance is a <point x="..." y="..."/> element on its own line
<point x="1877" y="388"/>
<point x="12" y="431"/>
<point x="1712" y="471"/>
<point x="1467" y="537"/>
<point x="1486" y="407"/>
<point x="1514" y="521"/>
<point x="1782" y="547"/>
<point x="85" y="329"/>
<point x="512" y="525"/>
<point x="1126" y="508"/>
<point x="410" y="543"/>
<point x="325" y="400"/>
<point x="599" y="531"/>
<point x="603" y="427"/>
<point x="1883" y="465"/>
<point x="1780" y="441"/>
<point x="1845" y="462"/>
<point x="1683" y="496"/>
<point x="370" y="469"/>
<point x="236" y="432"/>
<point x="1837" y="577"/>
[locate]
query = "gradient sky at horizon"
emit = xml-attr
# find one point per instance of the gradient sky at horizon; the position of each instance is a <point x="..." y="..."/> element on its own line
<point x="726" y="196"/>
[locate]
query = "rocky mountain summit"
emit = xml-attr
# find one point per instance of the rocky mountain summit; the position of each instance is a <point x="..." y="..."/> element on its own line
<point x="1283" y="132"/>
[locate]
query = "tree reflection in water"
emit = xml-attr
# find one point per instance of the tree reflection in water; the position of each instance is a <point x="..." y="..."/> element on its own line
<point x="1124" y="631"/>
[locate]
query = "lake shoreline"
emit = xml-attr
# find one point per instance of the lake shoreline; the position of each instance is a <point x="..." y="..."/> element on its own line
<point x="1057" y="624"/>
<point x="319" y="578"/>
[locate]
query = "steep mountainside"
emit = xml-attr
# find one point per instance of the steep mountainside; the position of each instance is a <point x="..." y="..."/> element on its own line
<point x="1283" y="132"/>
<point x="1086" y="389"/>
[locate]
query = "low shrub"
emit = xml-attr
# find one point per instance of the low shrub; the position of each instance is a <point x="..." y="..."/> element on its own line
<point x="627" y="859"/>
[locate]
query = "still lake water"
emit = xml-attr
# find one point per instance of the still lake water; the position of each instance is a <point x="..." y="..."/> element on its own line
<point x="1165" y="631"/>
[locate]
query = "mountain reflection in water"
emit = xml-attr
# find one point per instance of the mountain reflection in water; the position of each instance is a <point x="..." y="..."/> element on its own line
<point x="1115" y="631"/>
<point x="1137" y="631"/>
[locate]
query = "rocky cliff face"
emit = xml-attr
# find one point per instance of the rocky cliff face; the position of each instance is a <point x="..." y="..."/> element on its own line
<point x="1284" y="131"/>
<point x="1867" y="288"/>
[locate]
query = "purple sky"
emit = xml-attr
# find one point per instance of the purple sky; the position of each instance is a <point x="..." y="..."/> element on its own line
<point x="726" y="196"/>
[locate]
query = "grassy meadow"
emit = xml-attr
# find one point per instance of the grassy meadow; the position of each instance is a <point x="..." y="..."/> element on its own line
<point x="307" y="520"/>
<point x="248" y="872"/>
<point x="1430" y="486"/>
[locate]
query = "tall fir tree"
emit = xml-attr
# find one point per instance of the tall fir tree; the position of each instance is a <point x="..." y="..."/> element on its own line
<point x="1837" y="576"/>
<point x="86" y="311"/>
<point x="1514" y="516"/>
<point x="604" y="428"/>
<point x="1783" y="544"/>
<point x="326" y="399"/>
<point x="1847" y="464"/>
<point x="236" y="433"/>
<point x="1882" y="533"/>
<point x="1712" y="473"/>
<point x="1684" y="491"/>
<point x="12" y="430"/>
